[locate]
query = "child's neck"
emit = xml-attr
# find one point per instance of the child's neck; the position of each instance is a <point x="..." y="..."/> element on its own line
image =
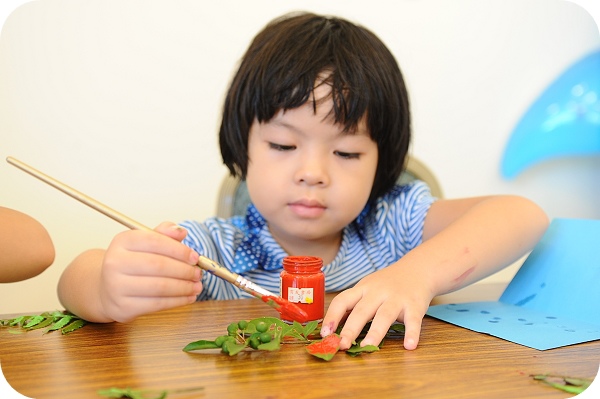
<point x="326" y="249"/>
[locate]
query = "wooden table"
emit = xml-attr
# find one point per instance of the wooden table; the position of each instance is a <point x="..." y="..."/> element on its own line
<point x="450" y="362"/>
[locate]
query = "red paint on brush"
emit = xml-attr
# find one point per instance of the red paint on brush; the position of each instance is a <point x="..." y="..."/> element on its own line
<point x="288" y="310"/>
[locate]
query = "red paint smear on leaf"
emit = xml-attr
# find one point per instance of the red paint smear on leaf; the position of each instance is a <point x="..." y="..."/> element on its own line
<point x="328" y="345"/>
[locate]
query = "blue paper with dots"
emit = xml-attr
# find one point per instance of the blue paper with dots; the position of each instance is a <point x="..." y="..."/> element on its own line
<point x="554" y="298"/>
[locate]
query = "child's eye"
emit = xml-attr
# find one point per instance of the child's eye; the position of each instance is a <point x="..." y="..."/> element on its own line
<point x="281" y="147"/>
<point x="347" y="155"/>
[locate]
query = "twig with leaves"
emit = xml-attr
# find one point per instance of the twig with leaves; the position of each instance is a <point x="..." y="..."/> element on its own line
<point x="128" y="393"/>
<point x="62" y="321"/>
<point x="268" y="333"/>
<point x="566" y="384"/>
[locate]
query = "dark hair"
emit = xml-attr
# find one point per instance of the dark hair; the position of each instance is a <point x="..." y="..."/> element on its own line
<point x="279" y="70"/>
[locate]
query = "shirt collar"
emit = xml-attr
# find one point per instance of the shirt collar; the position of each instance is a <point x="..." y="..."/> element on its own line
<point x="252" y="254"/>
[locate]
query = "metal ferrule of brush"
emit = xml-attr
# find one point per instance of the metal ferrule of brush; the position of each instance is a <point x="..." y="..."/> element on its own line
<point x="251" y="288"/>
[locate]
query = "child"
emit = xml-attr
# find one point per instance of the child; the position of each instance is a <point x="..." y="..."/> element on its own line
<point x="317" y="122"/>
<point x="26" y="249"/>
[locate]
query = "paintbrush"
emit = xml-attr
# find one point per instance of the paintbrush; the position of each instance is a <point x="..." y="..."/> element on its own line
<point x="291" y="311"/>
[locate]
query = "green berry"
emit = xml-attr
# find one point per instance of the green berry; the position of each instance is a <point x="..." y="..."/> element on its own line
<point x="254" y="342"/>
<point x="220" y="340"/>
<point x="265" y="337"/>
<point x="242" y="324"/>
<point x="262" y="327"/>
<point x="232" y="328"/>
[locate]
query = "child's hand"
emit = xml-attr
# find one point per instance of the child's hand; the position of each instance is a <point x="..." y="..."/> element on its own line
<point x="384" y="297"/>
<point x="144" y="272"/>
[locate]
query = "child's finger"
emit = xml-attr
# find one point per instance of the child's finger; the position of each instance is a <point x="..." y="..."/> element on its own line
<point x="155" y="243"/>
<point x="146" y="264"/>
<point x="412" y="330"/>
<point x="340" y="305"/>
<point x="172" y="230"/>
<point x="386" y="315"/>
<point x="161" y="287"/>
<point x="133" y="307"/>
<point x="362" y="313"/>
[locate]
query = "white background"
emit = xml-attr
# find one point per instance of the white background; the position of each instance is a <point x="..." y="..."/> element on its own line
<point x="121" y="99"/>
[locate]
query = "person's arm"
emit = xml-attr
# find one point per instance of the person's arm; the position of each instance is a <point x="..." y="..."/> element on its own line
<point x="139" y="273"/>
<point x="26" y="248"/>
<point x="463" y="241"/>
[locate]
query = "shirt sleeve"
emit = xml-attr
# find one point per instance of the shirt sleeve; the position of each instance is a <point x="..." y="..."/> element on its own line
<point x="401" y="216"/>
<point x="215" y="239"/>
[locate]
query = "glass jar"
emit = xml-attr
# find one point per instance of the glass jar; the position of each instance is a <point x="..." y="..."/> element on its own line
<point x="303" y="283"/>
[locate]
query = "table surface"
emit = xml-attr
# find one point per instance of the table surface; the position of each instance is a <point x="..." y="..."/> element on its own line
<point x="450" y="362"/>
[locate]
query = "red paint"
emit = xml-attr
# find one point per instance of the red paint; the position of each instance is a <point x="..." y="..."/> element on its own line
<point x="303" y="283"/>
<point x="330" y="344"/>
<point x="286" y="309"/>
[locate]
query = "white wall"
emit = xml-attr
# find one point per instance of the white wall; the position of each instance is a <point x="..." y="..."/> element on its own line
<point x="121" y="100"/>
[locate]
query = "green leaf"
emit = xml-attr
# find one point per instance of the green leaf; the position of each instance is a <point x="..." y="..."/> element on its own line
<point x="75" y="325"/>
<point x="33" y="321"/>
<point x="356" y="349"/>
<point x="298" y="327"/>
<point x="566" y="384"/>
<point x="584" y="382"/>
<point x="326" y="348"/>
<point x="233" y="348"/>
<point x="63" y="321"/>
<point x="17" y="321"/>
<point x="131" y="393"/>
<point x="397" y="328"/>
<point x="199" y="345"/>
<point x="45" y="323"/>
<point x="309" y="328"/>
<point x="55" y="320"/>
<point x="293" y="333"/>
<point x="139" y="394"/>
<point x="118" y="393"/>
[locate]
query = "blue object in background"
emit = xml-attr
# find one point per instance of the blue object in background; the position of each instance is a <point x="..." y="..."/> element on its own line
<point x="563" y="121"/>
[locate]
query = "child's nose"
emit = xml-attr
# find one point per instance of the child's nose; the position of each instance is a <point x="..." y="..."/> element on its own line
<point x="312" y="171"/>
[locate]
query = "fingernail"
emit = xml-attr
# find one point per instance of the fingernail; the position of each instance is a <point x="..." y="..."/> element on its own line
<point x="344" y="343"/>
<point x="197" y="288"/>
<point x="365" y="342"/>
<point x="178" y="228"/>
<point x="193" y="258"/>
<point x="410" y="344"/>
<point x="326" y="330"/>
<point x="197" y="274"/>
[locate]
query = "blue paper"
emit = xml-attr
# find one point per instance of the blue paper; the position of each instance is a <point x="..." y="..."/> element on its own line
<point x="554" y="298"/>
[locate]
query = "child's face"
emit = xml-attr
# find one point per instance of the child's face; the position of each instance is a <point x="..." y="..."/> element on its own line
<point x="306" y="176"/>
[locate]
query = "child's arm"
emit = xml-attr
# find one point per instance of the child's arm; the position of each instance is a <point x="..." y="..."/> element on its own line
<point x="463" y="241"/>
<point x="140" y="272"/>
<point x="26" y="248"/>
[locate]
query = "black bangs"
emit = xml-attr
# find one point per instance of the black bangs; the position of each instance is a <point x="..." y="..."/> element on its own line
<point x="310" y="51"/>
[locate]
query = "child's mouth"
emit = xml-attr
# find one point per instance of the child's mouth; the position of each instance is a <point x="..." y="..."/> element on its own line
<point x="307" y="209"/>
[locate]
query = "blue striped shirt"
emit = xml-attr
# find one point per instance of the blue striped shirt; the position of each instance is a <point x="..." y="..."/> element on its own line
<point x="381" y="235"/>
